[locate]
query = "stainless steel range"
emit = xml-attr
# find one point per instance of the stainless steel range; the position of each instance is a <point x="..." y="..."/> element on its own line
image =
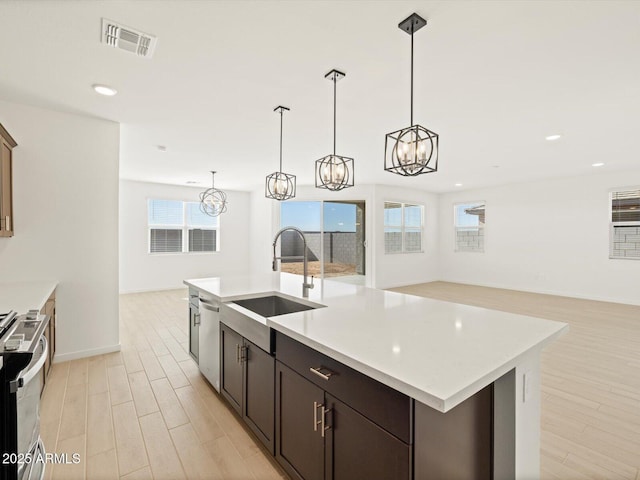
<point x="23" y="350"/>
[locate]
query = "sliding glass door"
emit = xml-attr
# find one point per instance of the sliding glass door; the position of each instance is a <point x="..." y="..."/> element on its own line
<point x="335" y="233"/>
<point x="343" y="228"/>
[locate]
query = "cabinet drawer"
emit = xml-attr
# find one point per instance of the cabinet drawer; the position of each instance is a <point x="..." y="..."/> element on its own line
<point x="381" y="404"/>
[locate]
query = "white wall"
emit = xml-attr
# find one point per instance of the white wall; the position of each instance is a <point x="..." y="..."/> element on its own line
<point x="264" y="223"/>
<point x="383" y="271"/>
<point x="547" y="236"/>
<point x="141" y="271"/>
<point x="65" y="181"/>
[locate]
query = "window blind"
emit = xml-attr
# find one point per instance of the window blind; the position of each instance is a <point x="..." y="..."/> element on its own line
<point x="165" y="212"/>
<point x="625" y="224"/>
<point x="202" y="240"/>
<point x="176" y="227"/>
<point x="625" y="206"/>
<point x="165" y="240"/>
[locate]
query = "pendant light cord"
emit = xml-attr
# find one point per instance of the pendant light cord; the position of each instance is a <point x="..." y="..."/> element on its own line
<point x="334" y="113"/>
<point x="281" y="112"/>
<point x="411" y="76"/>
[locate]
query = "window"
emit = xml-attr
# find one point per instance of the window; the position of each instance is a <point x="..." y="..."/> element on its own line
<point x="469" y="220"/>
<point x="402" y="227"/>
<point x="625" y="224"/>
<point x="177" y="227"/>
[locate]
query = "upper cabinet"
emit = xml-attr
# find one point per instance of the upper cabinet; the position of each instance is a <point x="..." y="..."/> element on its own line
<point x="6" y="188"/>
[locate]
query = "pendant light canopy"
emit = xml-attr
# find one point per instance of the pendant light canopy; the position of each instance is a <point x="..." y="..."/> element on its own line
<point x="213" y="202"/>
<point x="280" y="185"/>
<point x="412" y="150"/>
<point x="334" y="172"/>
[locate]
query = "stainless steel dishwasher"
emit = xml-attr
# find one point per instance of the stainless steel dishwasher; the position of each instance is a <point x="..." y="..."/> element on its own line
<point x="209" y="340"/>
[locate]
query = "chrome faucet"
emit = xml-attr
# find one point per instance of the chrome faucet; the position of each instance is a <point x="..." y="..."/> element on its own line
<point x="305" y="285"/>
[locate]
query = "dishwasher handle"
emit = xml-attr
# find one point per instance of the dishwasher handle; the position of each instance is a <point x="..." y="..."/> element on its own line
<point x="208" y="305"/>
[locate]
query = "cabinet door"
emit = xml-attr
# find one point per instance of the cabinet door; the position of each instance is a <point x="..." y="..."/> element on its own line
<point x="194" y="330"/>
<point x="299" y="449"/>
<point x="231" y="348"/>
<point x="356" y="448"/>
<point x="259" y="395"/>
<point x="52" y="330"/>
<point x="6" y="208"/>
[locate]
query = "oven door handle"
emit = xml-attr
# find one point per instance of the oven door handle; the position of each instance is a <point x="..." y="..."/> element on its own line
<point x="43" y="453"/>
<point x="39" y="456"/>
<point x="35" y="368"/>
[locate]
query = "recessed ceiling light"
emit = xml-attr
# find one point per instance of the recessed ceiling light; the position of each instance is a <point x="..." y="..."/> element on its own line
<point x="191" y="182"/>
<point x="551" y="138"/>
<point x="599" y="164"/>
<point x="162" y="148"/>
<point x="105" y="90"/>
<point x="458" y="184"/>
<point x="496" y="166"/>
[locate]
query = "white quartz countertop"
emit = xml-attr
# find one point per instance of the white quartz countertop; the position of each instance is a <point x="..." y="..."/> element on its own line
<point x="439" y="353"/>
<point x="24" y="296"/>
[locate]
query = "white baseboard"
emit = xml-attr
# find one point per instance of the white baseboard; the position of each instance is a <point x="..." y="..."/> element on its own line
<point x="147" y="290"/>
<point x="65" y="357"/>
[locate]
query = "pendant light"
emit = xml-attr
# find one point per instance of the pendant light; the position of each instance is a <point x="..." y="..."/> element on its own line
<point x="213" y="202"/>
<point x="412" y="150"/>
<point x="280" y="185"/>
<point x="334" y="172"/>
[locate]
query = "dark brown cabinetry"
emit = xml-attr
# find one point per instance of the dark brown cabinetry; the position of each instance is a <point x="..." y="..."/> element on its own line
<point x="7" y="143"/>
<point x="247" y="382"/>
<point x="331" y="422"/>
<point x="194" y="323"/>
<point x="457" y="444"/>
<point x="299" y="446"/>
<point x="49" y="333"/>
<point x="231" y="366"/>
<point x="335" y="423"/>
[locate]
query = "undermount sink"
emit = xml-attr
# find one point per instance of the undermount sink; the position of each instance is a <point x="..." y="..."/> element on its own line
<point x="273" y="305"/>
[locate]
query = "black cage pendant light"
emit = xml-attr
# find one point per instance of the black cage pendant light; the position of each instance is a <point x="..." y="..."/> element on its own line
<point x="280" y="185"/>
<point x="334" y="172"/>
<point x="412" y="150"/>
<point x="213" y="202"/>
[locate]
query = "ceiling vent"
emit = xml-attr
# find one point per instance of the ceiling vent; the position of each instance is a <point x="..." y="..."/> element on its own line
<point x="129" y="39"/>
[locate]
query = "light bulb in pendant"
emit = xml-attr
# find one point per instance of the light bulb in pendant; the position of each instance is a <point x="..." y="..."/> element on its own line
<point x="279" y="187"/>
<point x="338" y="173"/>
<point x="422" y="151"/>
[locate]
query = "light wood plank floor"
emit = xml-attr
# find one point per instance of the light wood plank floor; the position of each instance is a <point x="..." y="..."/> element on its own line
<point x="146" y="412"/>
<point x="590" y="379"/>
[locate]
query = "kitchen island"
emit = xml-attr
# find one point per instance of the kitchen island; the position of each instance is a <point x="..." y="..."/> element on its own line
<point x="439" y="355"/>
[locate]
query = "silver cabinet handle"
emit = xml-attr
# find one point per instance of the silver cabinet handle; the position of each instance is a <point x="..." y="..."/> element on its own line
<point x="324" y="376"/>
<point x="7" y="223"/>
<point x="316" y="422"/>
<point x="323" y="428"/>
<point x="196" y="319"/>
<point x="240" y="353"/>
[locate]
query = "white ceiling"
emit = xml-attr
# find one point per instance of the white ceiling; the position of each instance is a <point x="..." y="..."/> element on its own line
<point x="492" y="78"/>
